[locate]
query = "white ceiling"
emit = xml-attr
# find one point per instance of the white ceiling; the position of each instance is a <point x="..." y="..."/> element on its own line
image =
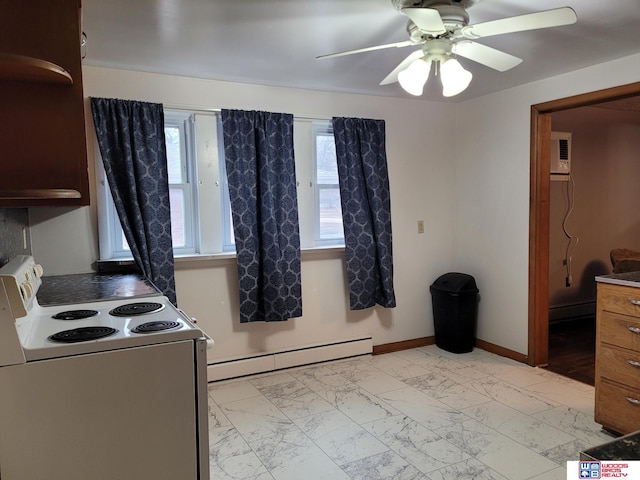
<point x="275" y="42"/>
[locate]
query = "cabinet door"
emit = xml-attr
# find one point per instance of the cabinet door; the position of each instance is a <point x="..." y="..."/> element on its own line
<point x="620" y="330"/>
<point x="44" y="158"/>
<point x="618" y="407"/>
<point x="619" y="299"/>
<point x="620" y="365"/>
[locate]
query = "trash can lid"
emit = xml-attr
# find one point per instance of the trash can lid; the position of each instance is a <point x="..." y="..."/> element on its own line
<point x="456" y="283"/>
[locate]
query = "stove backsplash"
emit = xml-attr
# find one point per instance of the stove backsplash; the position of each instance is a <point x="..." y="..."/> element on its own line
<point x="13" y="221"/>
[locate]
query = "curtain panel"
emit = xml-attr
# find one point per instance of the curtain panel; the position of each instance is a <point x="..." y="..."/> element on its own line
<point x="259" y="159"/>
<point x="132" y="144"/>
<point x="366" y="211"/>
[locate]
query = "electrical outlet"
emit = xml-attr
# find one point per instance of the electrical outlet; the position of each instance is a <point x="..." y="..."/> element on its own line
<point x="420" y="226"/>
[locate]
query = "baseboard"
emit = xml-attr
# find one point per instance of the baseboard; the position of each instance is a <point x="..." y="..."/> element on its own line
<point x="287" y="358"/>
<point x="424" y="341"/>
<point x="317" y="353"/>
<point x="564" y="312"/>
<point x="403" y="345"/>
<point x="501" y="351"/>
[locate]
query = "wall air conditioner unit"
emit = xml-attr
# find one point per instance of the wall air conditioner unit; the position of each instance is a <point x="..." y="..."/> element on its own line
<point x="560" y="155"/>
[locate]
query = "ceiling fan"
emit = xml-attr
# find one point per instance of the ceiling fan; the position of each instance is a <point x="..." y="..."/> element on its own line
<point x="441" y="28"/>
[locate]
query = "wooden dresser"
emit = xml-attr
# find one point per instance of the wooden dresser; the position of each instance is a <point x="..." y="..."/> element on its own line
<point x="617" y="379"/>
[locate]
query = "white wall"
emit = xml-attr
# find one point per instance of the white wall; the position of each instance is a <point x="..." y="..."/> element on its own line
<point x="492" y="188"/>
<point x="467" y="178"/>
<point x="419" y="140"/>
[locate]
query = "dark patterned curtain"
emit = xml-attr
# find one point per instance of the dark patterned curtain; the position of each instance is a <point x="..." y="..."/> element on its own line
<point x="131" y="139"/>
<point x="258" y="149"/>
<point x="366" y="210"/>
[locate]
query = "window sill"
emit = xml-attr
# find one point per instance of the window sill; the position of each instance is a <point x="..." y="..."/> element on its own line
<point x="321" y="253"/>
<point x="219" y="259"/>
<point x="314" y="253"/>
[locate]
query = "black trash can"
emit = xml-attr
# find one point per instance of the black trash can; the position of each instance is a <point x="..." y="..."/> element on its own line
<point x="455" y="311"/>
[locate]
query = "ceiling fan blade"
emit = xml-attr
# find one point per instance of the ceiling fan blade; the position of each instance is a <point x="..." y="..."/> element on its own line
<point x="530" y="21"/>
<point x="427" y="19"/>
<point x="488" y="56"/>
<point x="393" y="76"/>
<point x="406" y="43"/>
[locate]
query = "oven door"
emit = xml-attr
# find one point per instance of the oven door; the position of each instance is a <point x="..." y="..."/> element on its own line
<point x="127" y="414"/>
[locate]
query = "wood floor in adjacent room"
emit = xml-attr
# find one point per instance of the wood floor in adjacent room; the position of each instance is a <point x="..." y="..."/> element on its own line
<point x="572" y="349"/>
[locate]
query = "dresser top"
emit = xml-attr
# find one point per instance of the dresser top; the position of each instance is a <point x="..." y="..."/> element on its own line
<point x="629" y="279"/>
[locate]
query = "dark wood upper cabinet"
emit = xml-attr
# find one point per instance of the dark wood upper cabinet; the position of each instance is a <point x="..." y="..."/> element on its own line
<point x="43" y="155"/>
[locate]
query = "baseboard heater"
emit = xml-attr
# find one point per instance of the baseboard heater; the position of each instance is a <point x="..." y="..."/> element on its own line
<point x="287" y="358"/>
<point x="563" y="312"/>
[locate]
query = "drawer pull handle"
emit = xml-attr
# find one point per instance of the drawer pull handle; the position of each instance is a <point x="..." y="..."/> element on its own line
<point x="633" y="400"/>
<point x="634" y="302"/>
<point x="633" y="363"/>
<point x="633" y="329"/>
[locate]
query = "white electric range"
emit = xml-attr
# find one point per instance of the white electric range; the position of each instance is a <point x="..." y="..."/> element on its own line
<point x="57" y="331"/>
<point x="118" y="385"/>
<point x="78" y="328"/>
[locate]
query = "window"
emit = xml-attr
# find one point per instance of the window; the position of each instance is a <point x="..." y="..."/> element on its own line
<point x="200" y="208"/>
<point x="178" y="133"/>
<point x="228" y="239"/>
<point x="178" y="136"/>
<point x="328" y="212"/>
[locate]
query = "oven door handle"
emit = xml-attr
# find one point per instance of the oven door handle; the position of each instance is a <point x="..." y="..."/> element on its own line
<point x="194" y="320"/>
<point x="210" y="341"/>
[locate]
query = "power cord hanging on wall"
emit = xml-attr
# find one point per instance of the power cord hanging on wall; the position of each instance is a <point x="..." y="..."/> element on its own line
<point x="573" y="239"/>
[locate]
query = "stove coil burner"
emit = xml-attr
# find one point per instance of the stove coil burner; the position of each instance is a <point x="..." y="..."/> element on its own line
<point x="75" y="314"/>
<point x="158" y="326"/>
<point x="82" y="334"/>
<point x="133" y="309"/>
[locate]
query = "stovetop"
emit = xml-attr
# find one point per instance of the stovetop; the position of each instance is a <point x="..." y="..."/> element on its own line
<point x="93" y="287"/>
<point x="36" y="329"/>
<point x="124" y="320"/>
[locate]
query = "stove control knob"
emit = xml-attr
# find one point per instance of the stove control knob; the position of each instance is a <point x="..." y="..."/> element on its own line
<point x="38" y="270"/>
<point x="27" y="290"/>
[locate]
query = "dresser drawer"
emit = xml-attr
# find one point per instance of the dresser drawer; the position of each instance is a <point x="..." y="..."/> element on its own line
<point x="620" y="330"/>
<point x="616" y="407"/>
<point x="619" y="299"/>
<point x="620" y="365"/>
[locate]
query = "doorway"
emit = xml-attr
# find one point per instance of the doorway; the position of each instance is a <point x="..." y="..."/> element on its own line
<point x="538" y="345"/>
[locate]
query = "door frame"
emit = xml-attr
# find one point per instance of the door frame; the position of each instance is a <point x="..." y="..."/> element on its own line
<point x="539" y="198"/>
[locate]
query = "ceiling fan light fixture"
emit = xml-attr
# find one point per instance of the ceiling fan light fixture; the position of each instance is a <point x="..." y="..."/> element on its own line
<point x="455" y="79"/>
<point x="414" y="77"/>
<point x="442" y="29"/>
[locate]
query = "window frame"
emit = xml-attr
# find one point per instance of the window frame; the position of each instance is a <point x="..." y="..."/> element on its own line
<point x="209" y="228"/>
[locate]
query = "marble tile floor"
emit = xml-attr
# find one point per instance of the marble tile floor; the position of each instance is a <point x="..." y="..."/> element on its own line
<point x="419" y="414"/>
